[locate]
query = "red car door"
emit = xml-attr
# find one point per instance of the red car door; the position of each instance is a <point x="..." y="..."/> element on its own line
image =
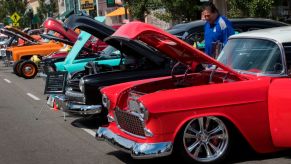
<point x="280" y="111"/>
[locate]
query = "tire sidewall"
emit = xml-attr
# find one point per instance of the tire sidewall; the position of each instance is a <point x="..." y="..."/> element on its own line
<point x="23" y="74"/>
<point x="16" y="67"/>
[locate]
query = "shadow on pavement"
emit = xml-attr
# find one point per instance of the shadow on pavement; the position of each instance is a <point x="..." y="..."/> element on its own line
<point x="243" y="157"/>
<point x="91" y="122"/>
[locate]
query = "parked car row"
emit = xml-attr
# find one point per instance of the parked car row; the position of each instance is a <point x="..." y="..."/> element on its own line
<point x="155" y="97"/>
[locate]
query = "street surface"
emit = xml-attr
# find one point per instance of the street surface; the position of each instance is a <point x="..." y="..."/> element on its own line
<point x="49" y="139"/>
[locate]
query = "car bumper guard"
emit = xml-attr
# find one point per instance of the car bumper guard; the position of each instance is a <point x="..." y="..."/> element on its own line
<point x="137" y="150"/>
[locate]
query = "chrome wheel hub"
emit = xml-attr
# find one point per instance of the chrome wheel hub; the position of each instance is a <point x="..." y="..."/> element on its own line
<point x="27" y="69"/>
<point x="205" y="139"/>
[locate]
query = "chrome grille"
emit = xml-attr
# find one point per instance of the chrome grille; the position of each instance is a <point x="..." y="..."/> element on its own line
<point x="129" y="122"/>
<point x="74" y="84"/>
<point x="76" y="97"/>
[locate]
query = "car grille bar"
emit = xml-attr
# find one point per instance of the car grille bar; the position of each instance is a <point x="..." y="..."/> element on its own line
<point x="130" y="122"/>
<point x="74" y="84"/>
<point x="76" y="97"/>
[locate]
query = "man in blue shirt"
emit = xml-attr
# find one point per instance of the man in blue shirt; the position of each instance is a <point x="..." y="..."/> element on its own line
<point x="217" y="29"/>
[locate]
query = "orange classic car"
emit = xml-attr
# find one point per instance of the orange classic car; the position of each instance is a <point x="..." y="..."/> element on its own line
<point x="21" y="55"/>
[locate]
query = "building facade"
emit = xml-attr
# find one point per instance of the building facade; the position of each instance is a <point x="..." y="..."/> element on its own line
<point x="33" y="4"/>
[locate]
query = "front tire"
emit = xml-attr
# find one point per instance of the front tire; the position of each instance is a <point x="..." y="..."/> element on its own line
<point x="28" y="69"/>
<point x="16" y="67"/>
<point x="204" y="140"/>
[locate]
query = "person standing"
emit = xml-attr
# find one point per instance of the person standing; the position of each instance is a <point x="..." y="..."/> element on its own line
<point x="217" y="29"/>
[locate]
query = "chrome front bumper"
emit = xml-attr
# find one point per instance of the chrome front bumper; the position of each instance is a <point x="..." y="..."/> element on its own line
<point x="80" y="109"/>
<point x="137" y="150"/>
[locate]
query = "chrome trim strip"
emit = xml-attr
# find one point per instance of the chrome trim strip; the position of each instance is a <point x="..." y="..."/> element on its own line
<point x="83" y="109"/>
<point x="74" y="94"/>
<point x="137" y="150"/>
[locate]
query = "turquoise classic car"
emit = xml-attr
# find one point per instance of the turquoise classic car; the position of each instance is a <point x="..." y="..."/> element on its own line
<point x="71" y="64"/>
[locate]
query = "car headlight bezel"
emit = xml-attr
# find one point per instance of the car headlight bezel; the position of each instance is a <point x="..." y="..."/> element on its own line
<point x="105" y="101"/>
<point x="138" y="107"/>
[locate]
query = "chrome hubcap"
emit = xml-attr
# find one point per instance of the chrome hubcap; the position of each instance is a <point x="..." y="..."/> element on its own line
<point x="27" y="69"/>
<point x="205" y="139"/>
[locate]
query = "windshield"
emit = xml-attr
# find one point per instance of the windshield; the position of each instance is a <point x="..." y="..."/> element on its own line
<point x="252" y="55"/>
<point x="109" y="53"/>
<point x="109" y="50"/>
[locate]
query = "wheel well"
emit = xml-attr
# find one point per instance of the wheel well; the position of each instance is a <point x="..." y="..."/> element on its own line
<point x="242" y="146"/>
<point x="26" y="57"/>
<point x="240" y="140"/>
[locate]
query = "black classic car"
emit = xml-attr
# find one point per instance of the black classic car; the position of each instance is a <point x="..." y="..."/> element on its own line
<point x="193" y="32"/>
<point x="138" y="61"/>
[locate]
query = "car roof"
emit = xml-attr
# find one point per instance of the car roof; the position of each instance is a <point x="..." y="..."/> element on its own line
<point x="187" y="26"/>
<point x="279" y="34"/>
<point x="257" y="20"/>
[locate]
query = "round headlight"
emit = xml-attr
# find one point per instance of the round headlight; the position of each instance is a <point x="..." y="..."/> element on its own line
<point x="105" y="101"/>
<point x="81" y="85"/>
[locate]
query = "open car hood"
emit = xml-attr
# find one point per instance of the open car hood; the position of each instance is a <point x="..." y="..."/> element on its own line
<point x="35" y="31"/>
<point x="65" y="41"/>
<point x="12" y="32"/>
<point x="79" y="44"/>
<point x="90" y="25"/>
<point x="54" y="25"/>
<point x="136" y="48"/>
<point x="169" y="45"/>
<point x="52" y="37"/>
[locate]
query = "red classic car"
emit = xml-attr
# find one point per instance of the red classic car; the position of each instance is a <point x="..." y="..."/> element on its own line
<point x="202" y="116"/>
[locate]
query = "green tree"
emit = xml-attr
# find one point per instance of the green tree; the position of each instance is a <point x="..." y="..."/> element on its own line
<point x="177" y="10"/>
<point x="250" y="8"/>
<point x="261" y="8"/>
<point x="8" y="7"/>
<point x="46" y="10"/>
<point x="138" y="9"/>
<point x="181" y="10"/>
